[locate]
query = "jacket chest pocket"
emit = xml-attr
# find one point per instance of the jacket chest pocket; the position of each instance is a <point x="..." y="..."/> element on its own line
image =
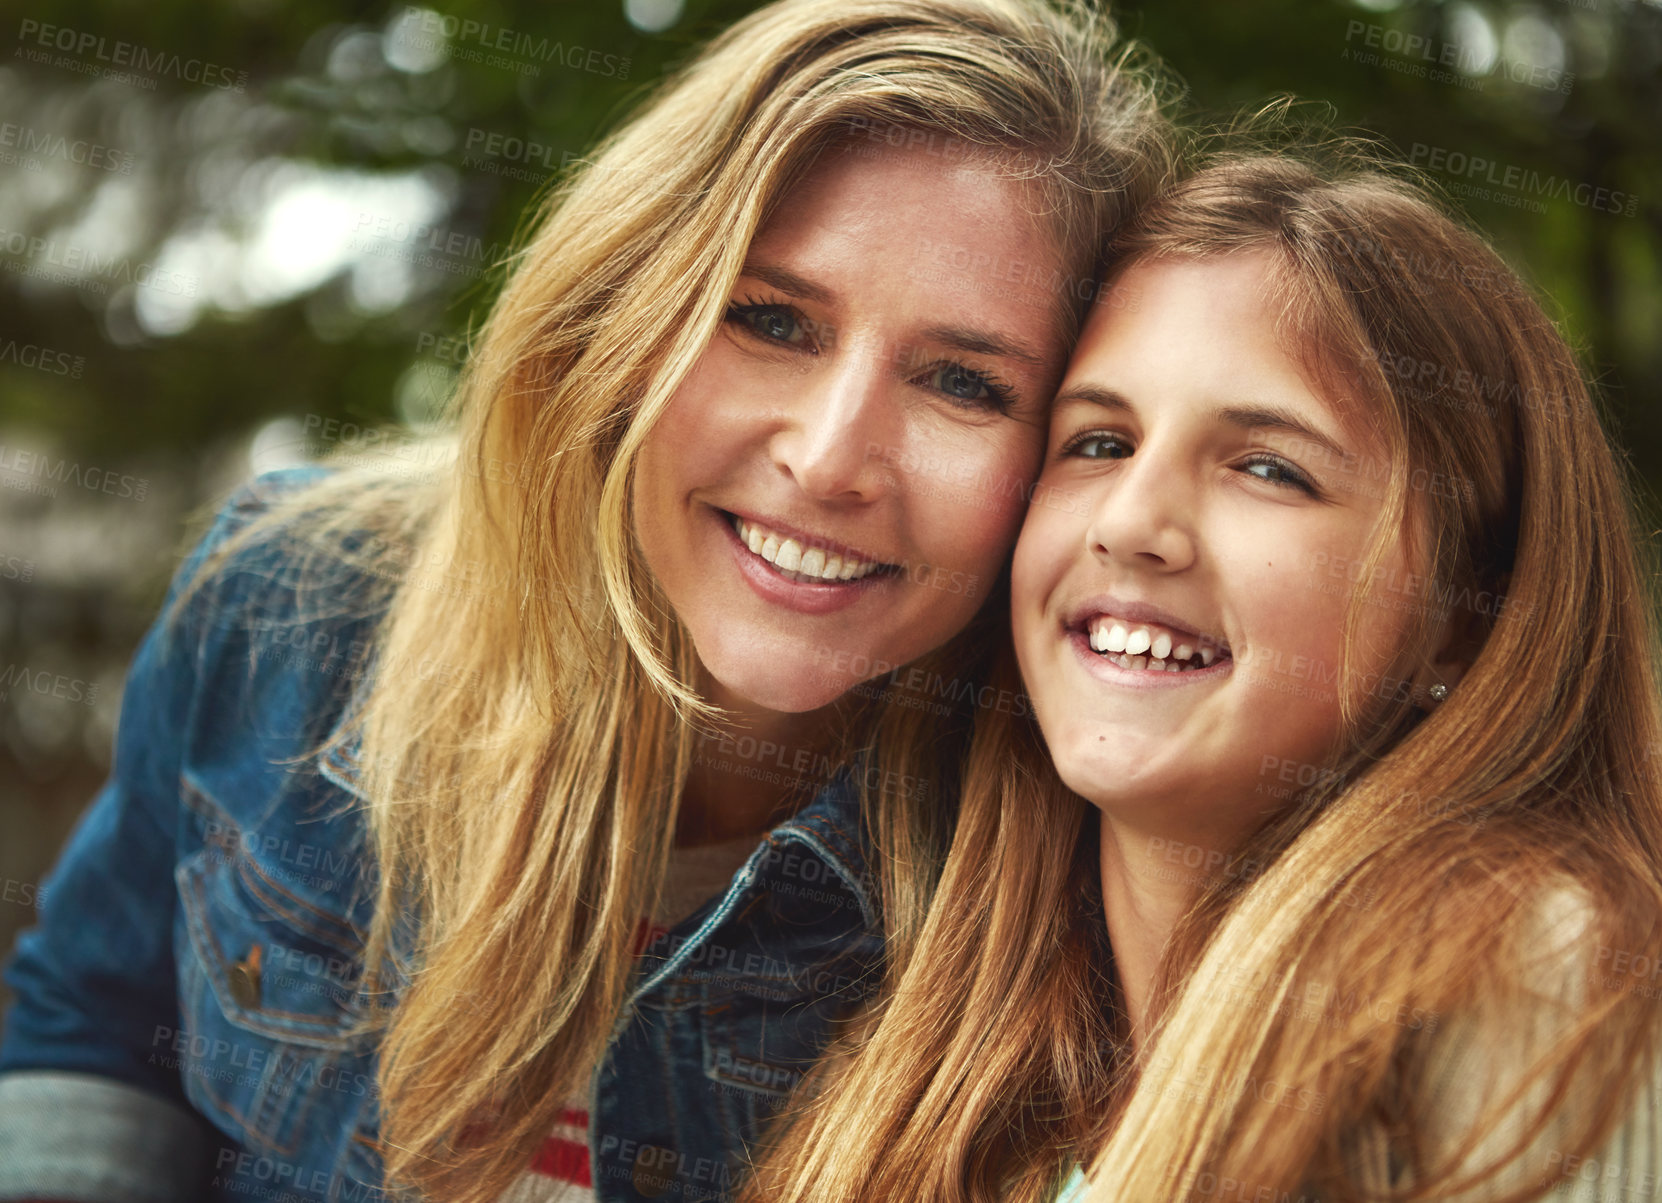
<point x="756" y="1052"/>
<point x="267" y="995"/>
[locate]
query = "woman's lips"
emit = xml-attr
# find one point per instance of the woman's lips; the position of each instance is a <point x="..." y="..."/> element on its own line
<point x="814" y="592"/>
<point x="803" y="559"/>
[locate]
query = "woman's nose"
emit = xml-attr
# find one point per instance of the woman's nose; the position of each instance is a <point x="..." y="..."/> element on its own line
<point x="840" y="431"/>
<point x="1144" y="516"/>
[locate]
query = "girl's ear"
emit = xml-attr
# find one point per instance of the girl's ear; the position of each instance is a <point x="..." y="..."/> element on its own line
<point x="1438" y="680"/>
<point x="1459" y="639"/>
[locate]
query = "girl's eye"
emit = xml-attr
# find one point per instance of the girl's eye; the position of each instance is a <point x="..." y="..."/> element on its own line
<point x="771" y="323"/>
<point x="1279" y="472"/>
<point x="1096" y="445"/>
<point x="974" y="389"/>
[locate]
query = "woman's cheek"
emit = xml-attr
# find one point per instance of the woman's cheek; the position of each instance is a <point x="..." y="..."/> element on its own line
<point x="977" y="496"/>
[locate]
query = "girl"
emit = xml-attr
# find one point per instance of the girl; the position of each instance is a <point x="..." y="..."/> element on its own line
<point x="1330" y="603"/>
<point x="505" y="827"/>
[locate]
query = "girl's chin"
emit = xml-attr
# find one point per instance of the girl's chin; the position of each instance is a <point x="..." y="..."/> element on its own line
<point x="1116" y="778"/>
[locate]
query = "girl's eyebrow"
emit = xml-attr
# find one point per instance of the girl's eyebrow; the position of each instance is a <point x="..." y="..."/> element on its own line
<point x="1271" y="417"/>
<point x="1247" y="417"/>
<point x="1094" y="394"/>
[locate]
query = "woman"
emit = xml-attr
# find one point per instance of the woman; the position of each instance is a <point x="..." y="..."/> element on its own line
<point x="1330" y="603"/>
<point x="444" y="780"/>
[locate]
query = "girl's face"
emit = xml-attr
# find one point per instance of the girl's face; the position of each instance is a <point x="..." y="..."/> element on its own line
<point x="1181" y="582"/>
<point x="834" y="487"/>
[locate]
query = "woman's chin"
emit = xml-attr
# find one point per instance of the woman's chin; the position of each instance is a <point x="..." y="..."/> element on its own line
<point x="784" y="688"/>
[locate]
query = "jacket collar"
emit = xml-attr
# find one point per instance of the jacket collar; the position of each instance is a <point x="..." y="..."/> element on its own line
<point x="831" y="825"/>
<point x="340" y="762"/>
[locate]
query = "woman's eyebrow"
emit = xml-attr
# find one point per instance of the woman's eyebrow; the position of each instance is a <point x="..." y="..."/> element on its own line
<point x="788" y="281"/>
<point x="968" y="339"/>
<point x="983" y="342"/>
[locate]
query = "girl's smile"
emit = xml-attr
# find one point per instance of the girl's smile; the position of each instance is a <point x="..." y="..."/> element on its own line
<point x="1171" y="617"/>
<point x="1138" y="646"/>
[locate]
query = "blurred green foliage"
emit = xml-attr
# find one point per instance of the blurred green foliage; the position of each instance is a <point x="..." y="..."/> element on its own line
<point x="319" y="91"/>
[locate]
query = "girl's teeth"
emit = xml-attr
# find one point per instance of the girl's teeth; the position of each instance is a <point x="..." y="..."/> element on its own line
<point x="1152" y="650"/>
<point x="790" y="556"/>
<point x="754" y="541"/>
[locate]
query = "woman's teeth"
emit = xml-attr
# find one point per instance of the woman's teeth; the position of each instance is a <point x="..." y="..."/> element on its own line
<point x="1142" y="647"/>
<point x="797" y="562"/>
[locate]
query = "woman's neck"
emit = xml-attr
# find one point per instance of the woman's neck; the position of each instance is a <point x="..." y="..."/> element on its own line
<point x="761" y="767"/>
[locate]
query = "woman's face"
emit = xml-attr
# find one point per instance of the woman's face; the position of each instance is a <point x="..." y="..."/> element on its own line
<point x="1180" y="585"/>
<point x="837" y="482"/>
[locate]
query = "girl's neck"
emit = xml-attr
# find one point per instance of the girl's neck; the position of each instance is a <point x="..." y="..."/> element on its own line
<point x="1150" y="880"/>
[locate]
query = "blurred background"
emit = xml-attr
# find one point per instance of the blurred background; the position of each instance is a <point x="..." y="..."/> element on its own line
<point x="237" y="234"/>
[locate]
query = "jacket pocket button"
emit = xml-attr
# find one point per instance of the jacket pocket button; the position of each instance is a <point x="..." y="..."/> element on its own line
<point x="245" y="979"/>
<point x="654" y="1171"/>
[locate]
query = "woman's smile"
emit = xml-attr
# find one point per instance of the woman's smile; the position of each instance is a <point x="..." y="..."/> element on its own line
<point x="835" y="441"/>
<point x="808" y="573"/>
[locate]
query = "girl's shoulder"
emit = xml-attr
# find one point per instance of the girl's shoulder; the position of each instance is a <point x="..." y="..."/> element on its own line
<point x="1488" y="1055"/>
<point x="1073" y="1188"/>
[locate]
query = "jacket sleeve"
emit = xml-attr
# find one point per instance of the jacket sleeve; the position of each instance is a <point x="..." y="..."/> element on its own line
<point x="91" y="1105"/>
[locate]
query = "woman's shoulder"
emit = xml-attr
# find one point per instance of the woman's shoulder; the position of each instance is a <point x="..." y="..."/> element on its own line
<point x="284" y="572"/>
<point x="279" y="650"/>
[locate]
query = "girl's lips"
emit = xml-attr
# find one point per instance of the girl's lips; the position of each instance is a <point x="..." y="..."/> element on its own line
<point x="1106" y="668"/>
<point x="805" y="597"/>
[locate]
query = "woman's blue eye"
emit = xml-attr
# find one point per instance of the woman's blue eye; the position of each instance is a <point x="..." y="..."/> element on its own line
<point x="774" y="323"/>
<point x="957" y="381"/>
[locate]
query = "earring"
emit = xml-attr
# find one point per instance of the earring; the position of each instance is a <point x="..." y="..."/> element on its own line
<point x="1438" y="692"/>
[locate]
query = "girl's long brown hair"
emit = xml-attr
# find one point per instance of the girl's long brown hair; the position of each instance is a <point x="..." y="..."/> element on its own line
<point x="533" y="716"/>
<point x="1462" y="909"/>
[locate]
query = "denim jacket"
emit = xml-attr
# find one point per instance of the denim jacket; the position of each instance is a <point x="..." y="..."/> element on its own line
<point x="177" y="1031"/>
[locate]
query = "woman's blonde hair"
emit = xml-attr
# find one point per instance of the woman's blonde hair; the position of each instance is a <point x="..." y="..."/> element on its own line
<point x="1463" y="872"/>
<point x="523" y="788"/>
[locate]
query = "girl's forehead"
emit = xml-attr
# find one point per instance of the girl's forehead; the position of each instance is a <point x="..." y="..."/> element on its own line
<point x="1229" y="324"/>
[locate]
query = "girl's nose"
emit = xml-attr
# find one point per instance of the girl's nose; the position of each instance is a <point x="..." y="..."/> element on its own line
<point x="1142" y="517"/>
